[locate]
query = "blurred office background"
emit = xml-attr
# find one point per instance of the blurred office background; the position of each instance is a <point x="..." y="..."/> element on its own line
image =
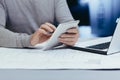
<point x="97" y="17"/>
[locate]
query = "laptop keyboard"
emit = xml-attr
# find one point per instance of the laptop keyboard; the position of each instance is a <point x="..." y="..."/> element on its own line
<point x="100" y="46"/>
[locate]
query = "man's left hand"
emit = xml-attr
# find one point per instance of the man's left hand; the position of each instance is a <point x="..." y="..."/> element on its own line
<point x="70" y="37"/>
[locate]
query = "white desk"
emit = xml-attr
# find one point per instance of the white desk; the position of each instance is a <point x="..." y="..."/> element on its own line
<point x="59" y="75"/>
<point x="16" y="61"/>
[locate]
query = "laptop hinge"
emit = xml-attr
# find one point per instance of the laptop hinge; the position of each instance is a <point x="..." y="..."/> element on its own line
<point x="87" y="50"/>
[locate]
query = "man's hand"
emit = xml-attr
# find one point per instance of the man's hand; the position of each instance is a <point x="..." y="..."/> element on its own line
<point x="42" y="34"/>
<point x="70" y="37"/>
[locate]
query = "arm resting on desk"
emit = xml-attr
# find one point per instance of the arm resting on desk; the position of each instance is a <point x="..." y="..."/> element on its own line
<point x="9" y="38"/>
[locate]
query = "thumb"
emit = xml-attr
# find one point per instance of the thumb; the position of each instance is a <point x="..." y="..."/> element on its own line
<point x="36" y="36"/>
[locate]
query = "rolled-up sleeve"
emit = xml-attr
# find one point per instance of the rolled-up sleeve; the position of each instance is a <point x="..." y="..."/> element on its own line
<point x="62" y="11"/>
<point x="9" y="38"/>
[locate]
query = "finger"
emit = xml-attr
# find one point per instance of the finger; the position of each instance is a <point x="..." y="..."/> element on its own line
<point x="66" y="39"/>
<point x="47" y="28"/>
<point x="72" y="30"/>
<point x="68" y="43"/>
<point x="68" y="36"/>
<point x="45" y="32"/>
<point x="41" y="32"/>
<point x="51" y="25"/>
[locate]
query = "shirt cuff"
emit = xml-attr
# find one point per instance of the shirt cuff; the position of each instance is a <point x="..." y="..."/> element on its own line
<point x="25" y="40"/>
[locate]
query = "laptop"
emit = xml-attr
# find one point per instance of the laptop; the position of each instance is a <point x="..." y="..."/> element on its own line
<point x="106" y="45"/>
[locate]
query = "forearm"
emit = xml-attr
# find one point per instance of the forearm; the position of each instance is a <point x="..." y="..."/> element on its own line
<point x="11" y="39"/>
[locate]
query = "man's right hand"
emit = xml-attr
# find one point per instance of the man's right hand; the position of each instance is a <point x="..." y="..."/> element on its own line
<point x="42" y="34"/>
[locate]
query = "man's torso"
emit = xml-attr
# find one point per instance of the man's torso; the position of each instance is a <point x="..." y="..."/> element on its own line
<point x="27" y="15"/>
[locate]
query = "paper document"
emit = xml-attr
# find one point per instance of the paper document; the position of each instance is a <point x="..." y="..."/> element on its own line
<point x="56" y="59"/>
<point x="53" y="41"/>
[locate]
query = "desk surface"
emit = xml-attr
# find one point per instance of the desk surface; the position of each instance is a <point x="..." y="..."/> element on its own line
<point x="37" y="74"/>
<point x="56" y="59"/>
<point x="59" y="75"/>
